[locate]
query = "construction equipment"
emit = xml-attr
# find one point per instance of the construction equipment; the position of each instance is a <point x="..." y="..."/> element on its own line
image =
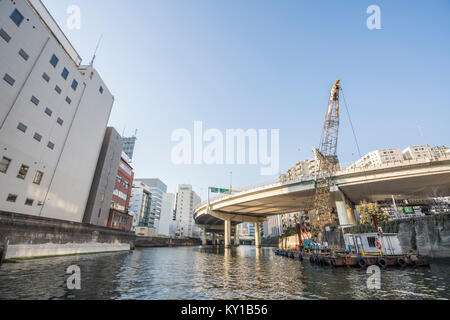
<point x="326" y="164"/>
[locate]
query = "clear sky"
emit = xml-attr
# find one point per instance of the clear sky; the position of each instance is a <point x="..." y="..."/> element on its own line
<point x="266" y="65"/>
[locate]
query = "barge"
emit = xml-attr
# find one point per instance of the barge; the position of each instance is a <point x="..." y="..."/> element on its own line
<point x="362" y="250"/>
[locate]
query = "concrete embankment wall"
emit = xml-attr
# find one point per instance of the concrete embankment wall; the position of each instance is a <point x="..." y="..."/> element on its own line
<point x="165" y="242"/>
<point x="428" y="236"/>
<point x="24" y="236"/>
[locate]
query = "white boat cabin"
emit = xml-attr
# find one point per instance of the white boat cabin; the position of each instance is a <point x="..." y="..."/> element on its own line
<point x="373" y="243"/>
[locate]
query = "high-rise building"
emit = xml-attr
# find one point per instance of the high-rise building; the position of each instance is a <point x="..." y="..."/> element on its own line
<point x="247" y="229"/>
<point x="167" y="209"/>
<point x="187" y="200"/>
<point x="119" y="218"/>
<point x="275" y="226"/>
<point x="103" y="184"/>
<point x="53" y="116"/>
<point x="128" y="145"/>
<point x="157" y="189"/>
<point x="418" y="152"/>
<point x="379" y="157"/>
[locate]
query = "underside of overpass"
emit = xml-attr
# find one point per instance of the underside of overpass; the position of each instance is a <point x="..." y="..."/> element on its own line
<point x="423" y="180"/>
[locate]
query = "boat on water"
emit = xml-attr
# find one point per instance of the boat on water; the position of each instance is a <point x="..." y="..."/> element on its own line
<point x="361" y="250"/>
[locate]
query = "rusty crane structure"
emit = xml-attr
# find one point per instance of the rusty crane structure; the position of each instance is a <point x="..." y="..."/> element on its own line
<point x="327" y="163"/>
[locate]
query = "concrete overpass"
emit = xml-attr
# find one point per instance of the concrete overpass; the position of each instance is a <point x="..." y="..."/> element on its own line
<point x="407" y="179"/>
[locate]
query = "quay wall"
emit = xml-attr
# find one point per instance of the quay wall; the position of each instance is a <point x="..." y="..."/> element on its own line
<point x="24" y="236"/>
<point x="428" y="236"/>
<point x="146" y="242"/>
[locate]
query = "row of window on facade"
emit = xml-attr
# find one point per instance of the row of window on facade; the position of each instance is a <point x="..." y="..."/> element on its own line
<point x="119" y="180"/>
<point x="23" y="171"/>
<point x="36" y="136"/>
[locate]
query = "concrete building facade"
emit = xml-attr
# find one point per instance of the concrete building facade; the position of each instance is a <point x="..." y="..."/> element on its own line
<point x="187" y="200"/>
<point x="157" y="189"/>
<point x="140" y="204"/>
<point x="53" y="116"/>
<point x="103" y="184"/>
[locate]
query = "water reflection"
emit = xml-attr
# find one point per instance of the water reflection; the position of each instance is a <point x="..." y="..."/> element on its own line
<point x="212" y="273"/>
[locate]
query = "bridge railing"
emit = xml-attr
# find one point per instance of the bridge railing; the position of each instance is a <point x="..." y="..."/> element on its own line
<point x="346" y="168"/>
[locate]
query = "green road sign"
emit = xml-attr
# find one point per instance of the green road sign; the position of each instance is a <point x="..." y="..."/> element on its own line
<point x="219" y="190"/>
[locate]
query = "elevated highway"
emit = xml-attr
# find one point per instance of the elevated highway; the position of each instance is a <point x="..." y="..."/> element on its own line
<point x="405" y="179"/>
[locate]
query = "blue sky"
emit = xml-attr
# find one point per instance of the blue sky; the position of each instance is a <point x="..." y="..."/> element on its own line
<point x="266" y="65"/>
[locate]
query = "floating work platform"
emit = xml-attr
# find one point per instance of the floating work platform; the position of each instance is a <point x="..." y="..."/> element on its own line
<point x="342" y="259"/>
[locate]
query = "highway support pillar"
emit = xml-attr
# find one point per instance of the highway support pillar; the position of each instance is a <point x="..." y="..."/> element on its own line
<point x="204" y="238"/>
<point x="236" y="235"/>
<point x="227" y="236"/>
<point x="344" y="207"/>
<point x="214" y="239"/>
<point x="258" y="235"/>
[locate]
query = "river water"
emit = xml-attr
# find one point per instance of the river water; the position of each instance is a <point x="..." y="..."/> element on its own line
<point x="212" y="273"/>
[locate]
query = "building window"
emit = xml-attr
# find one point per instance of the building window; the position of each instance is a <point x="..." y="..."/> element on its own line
<point x="37" y="137"/>
<point x="60" y="121"/>
<point x="65" y="73"/>
<point x="45" y="77"/>
<point x="50" y="145"/>
<point x="29" y="202"/>
<point x="4" y="164"/>
<point x="68" y="100"/>
<point x="11" y="198"/>
<point x="74" y="85"/>
<point x="58" y="89"/>
<point x="17" y="17"/>
<point x="23" y="54"/>
<point x="48" y="112"/>
<point x="22" y="127"/>
<point x="38" y="177"/>
<point x="35" y="100"/>
<point x="4" y="35"/>
<point x="10" y="80"/>
<point x="54" y="61"/>
<point x="101" y="89"/>
<point x="23" y="172"/>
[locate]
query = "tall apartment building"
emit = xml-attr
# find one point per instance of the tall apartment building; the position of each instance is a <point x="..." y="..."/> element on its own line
<point x="418" y="152"/>
<point x="53" y="116"/>
<point x="157" y="189"/>
<point x="103" y="185"/>
<point x="141" y="199"/>
<point x="167" y="209"/>
<point x="275" y="226"/>
<point x="187" y="200"/>
<point x="379" y="157"/>
<point x="119" y="218"/>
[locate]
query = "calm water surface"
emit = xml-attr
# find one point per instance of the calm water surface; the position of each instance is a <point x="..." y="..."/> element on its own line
<point x="212" y="273"/>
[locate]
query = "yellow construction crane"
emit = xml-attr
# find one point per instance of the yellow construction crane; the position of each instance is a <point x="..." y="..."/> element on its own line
<point x="327" y="163"/>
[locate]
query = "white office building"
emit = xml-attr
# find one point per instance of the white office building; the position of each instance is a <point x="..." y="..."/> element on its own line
<point x="167" y="208"/>
<point x="187" y="200"/>
<point x="157" y="189"/>
<point x="53" y="116"/>
<point x="140" y="204"/>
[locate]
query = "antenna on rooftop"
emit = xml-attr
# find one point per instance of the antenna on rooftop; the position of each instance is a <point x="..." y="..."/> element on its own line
<point x="95" y="52"/>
